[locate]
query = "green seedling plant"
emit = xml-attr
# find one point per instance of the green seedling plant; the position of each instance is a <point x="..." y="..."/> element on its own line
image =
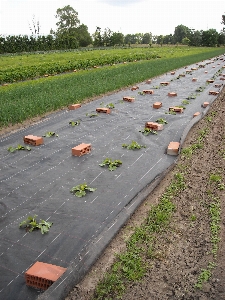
<point x="200" y="89"/>
<point x="205" y="275"/>
<point x="31" y="224"/>
<point x="81" y="190"/>
<point x="185" y="102"/>
<point x="74" y="123"/>
<point x="133" y="146"/>
<point x="147" y="131"/>
<point x="217" y="179"/>
<point x="110" y="105"/>
<point x="171" y="112"/>
<point x="112" y="164"/>
<point x="50" y="134"/>
<point x="19" y="147"/>
<point x="141" y="93"/>
<point x="91" y="115"/>
<point x="161" y="121"/>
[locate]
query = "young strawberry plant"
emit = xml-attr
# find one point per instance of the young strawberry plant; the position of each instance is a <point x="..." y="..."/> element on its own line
<point x="147" y="131"/>
<point x="110" y="105"/>
<point x="81" y="189"/>
<point x="91" y="115"/>
<point x="31" y="224"/>
<point x="185" y="102"/>
<point x="133" y="146"/>
<point x="19" y="147"/>
<point x="161" y="121"/>
<point x="74" y="123"/>
<point x="50" y="134"/>
<point x="112" y="164"/>
<point x="171" y="112"/>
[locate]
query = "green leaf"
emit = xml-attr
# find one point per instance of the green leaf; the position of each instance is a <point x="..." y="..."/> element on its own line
<point x="80" y="194"/>
<point x="11" y="149"/>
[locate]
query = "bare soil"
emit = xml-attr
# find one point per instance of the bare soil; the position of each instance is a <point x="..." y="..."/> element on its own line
<point x="184" y="249"/>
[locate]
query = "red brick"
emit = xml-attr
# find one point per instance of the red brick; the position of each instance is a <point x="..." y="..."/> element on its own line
<point x="103" y="110"/>
<point x="157" y="105"/>
<point x="81" y="149"/>
<point x="129" y="99"/>
<point x="176" y="109"/>
<point x="148" y="81"/>
<point x="193" y="69"/>
<point x="164" y="83"/>
<point x="194" y="79"/>
<point x="148" y="92"/>
<point x="206" y="72"/>
<point x="134" y="88"/>
<point x="42" y="275"/>
<point x="188" y="71"/>
<point x="181" y="75"/>
<point x="213" y="93"/>
<point x="154" y="126"/>
<point x="172" y="94"/>
<point x="74" y="106"/>
<point x="196" y="114"/>
<point x="172" y="73"/>
<point x="205" y="104"/>
<point x="33" y="140"/>
<point x="217" y="85"/>
<point x="222" y="78"/>
<point x="173" y="148"/>
<point x="210" y="80"/>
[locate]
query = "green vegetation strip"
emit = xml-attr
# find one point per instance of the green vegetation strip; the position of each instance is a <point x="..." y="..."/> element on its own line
<point x="130" y="265"/>
<point x="24" y="100"/>
<point x="29" y="66"/>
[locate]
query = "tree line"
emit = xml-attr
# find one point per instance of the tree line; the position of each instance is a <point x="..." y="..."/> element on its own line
<point x="70" y="34"/>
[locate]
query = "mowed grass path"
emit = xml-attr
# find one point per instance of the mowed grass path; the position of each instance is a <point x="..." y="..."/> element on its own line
<point x="24" y="100"/>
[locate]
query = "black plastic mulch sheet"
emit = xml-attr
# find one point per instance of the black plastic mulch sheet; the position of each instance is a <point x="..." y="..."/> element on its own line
<point x="39" y="181"/>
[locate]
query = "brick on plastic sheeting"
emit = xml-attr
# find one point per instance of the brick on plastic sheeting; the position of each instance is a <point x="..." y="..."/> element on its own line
<point x="103" y="110"/>
<point x="206" y="72"/>
<point x="222" y="78"/>
<point x="74" y="106"/>
<point x="205" y="104"/>
<point x="188" y="71"/>
<point x="218" y="85"/>
<point x="164" y="83"/>
<point x="173" y="148"/>
<point x="81" y="149"/>
<point x="213" y="93"/>
<point x="172" y="73"/>
<point x="181" y="75"/>
<point x="176" y="109"/>
<point x="150" y="92"/>
<point x="196" y="114"/>
<point x="193" y="69"/>
<point x="210" y="80"/>
<point x="33" y="140"/>
<point x="157" y="105"/>
<point x="129" y="99"/>
<point x="42" y="275"/>
<point x="134" y="88"/>
<point x="172" y="94"/>
<point x="194" y="79"/>
<point x="154" y="126"/>
<point x="148" y="81"/>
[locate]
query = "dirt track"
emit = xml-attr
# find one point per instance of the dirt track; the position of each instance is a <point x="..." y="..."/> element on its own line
<point x="185" y="248"/>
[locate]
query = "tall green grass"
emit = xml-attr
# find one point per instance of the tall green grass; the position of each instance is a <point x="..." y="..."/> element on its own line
<point x="24" y="100"/>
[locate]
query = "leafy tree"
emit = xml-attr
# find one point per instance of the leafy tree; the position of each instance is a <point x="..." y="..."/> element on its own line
<point x="195" y="38"/>
<point x="117" y="38"/>
<point x="185" y="41"/>
<point x="68" y="19"/>
<point x="181" y="32"/>
<point x="168" y="39"/>
<point x="83" y="36"/>
<point x="147" y="38"/>
<point x="97" y="38"/>
<point x="221" y="38"/>
<point x="210" y="38"/>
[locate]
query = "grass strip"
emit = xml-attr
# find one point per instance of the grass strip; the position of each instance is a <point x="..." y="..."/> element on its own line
<point x="130" y="265"/>
<point x="24" y="100"/>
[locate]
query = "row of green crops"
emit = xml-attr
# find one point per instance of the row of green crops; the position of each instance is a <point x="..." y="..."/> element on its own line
<point x="22" y="67"/>
<point x="23" y="100"/>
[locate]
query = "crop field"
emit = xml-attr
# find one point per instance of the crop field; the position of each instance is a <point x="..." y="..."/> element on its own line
<point x="31" y="98"/>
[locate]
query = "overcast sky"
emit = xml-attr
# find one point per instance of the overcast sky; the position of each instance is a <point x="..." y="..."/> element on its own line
<point x="126" y="16"/>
